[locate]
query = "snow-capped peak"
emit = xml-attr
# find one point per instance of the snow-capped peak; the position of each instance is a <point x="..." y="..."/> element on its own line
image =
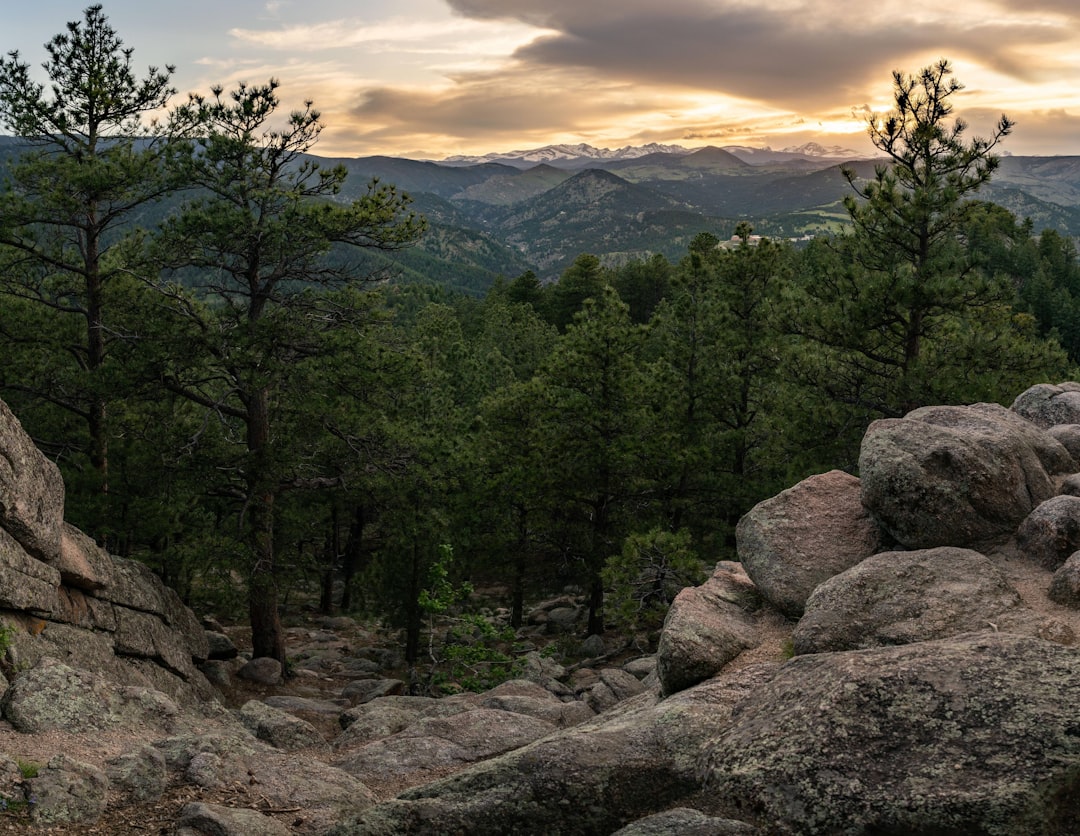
<point x="814" y="149"/>
<point x="580" y="151"/>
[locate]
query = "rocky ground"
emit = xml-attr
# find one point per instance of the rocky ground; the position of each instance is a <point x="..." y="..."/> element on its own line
<point x="332" y="661"/>
<point x="895" y="653"/>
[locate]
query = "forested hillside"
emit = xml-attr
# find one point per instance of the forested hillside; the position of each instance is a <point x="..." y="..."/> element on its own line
<point x="210" y="334"/>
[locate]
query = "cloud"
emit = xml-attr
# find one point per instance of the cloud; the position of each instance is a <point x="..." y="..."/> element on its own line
<point x="508" y="73"/>
<point x="784" y="53"/>
<point x="534" y="105"/>
<point x="397" y="34"/>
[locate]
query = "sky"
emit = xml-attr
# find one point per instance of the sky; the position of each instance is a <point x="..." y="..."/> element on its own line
<point x="433" y="78"/>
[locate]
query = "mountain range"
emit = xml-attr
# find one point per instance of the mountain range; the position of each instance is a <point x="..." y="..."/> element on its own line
<point x="506" y="213"/>
<point x="582" y="155"/>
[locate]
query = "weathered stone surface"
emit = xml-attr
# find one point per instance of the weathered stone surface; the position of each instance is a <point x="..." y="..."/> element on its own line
<point x="550" y="709"/>
<point x="12" y="784"/>
<point x="593" y="646"/>
<point x="280" y="730"/>
<point x="622" y="684"/>
<point x="1068" y="436"/>
<point x="686" y="822"/>
<point x="432" y="744"/>
<point x="304" y="705"/>
<point x="642" y="667"/>
<point x="593" y="778"/>
<point x="68" y="791"/>
<point x="26" y="583"/>
<point x="706" y="627"/>
<point x="136" y="587"/>
<point x="200" y="819"/>
<point x="1046" y="405"/>
<point x="217" y="672"/>
<point x="524" y="696"/>
<point x="31" y="492"/>
<point x="220" y="646"/>
<point x="52" y="695"/>
<point x="904" y="597"/>
<point x="545" y="671"/>
<point x="805" y="535"/>
<point x="974" y="734"/>
<point x="957" y="475"/>
<point x="191" y="691"/>
<point x="142" y="634"/>
<point x="139" y="774"/>
<point x="1051" y="532"/>
<point x="81" y="562"/>
<point x="263" y="670"/>
<point x="231" y="756"/>
<point x="74" y="646"/>
<point x="1065" y="586"/>
<point x="388" y="715"/>
<point x="85" y="611"/>
<point x="231" y="742"/>
<point x="361" y="691"/>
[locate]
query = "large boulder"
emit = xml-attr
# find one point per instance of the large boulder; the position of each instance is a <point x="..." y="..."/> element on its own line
<point x="200" y="819"/>
<point x="53" y="696"/>
<point x="706" y="627"/>
<point x="904" y="597"/>
<point x="1065" y="585"/>
<point x="1047" y="405"/>
<point x="278" y="728"/>
<point x="1051" y="532"/>
<point x="974" y="734"/>
<point x="957" y="475"/>
<point x="791" y="543"/>
<point x="228" y="757"/>
<point x="68" y="791"/>
<point x="134" y="586"/>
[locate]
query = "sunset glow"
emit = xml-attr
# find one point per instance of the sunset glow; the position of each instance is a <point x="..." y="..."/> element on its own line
<point x="438" y="77"/>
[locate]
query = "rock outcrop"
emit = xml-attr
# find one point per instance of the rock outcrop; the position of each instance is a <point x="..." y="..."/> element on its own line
<point x="65" y="598"/>
<point x="931" y="609"/>
<point x="971" y="734"/>
<point x="958" y="476"/>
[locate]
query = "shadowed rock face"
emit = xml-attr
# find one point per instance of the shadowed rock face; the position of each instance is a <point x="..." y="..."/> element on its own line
<point x="965" y="735"/>
<point x="31" y="492"/>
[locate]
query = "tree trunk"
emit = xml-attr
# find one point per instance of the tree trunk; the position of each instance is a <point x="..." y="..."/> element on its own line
<point x="331" y="552"/>
<point x="517" y="592"/>
<point x="351" y="559"/>
<point x="596" y="606"/>
<point x="97" y="412"/>
<point x="413" y="616"/>
<point x="267" y="635"/>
